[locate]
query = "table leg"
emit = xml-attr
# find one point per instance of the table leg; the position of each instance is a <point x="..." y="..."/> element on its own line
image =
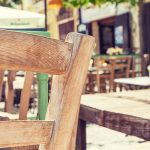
<point x="81" y="135"/>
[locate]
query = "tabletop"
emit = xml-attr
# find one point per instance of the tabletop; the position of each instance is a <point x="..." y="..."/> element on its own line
<point x="127" y="112"/>
<point x="121" y="102"/>
<point x="139" y="81"/>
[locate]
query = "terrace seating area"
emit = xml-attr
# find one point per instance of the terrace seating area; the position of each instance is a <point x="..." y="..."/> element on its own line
<point x="107" y="109"/>
<point x="105" y="69"/>
<point x="59" y="58"/>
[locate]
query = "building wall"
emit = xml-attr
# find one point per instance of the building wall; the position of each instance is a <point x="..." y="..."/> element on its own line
<point x="52" y="22"/>
<point x="147" y="1"/>
<point x="134" y="24"/>
<point x="95" y="33"/>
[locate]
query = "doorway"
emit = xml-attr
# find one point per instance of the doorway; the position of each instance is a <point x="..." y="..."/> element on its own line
<point x="107" y="40"/>
<point x="115" y="31"/>
<point x="106" y="32"/>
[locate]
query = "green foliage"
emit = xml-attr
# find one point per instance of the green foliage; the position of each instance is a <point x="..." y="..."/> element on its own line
<point x="17" y="1"/>
<point x="80" y="3"/>
<point x="8" y="3"/>
<point x="5" y="3"/>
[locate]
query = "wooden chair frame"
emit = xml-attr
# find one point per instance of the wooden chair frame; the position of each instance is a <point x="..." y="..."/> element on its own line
<point x="69" y="60"/>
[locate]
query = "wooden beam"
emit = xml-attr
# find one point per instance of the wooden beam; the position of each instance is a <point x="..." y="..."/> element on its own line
<point x="21" y="51"/>
<point x="10" y="91"/>
<point x="31" y="147"/>
<point x="67" y="89"/>
<point x="22" y="133"/>
<point x="127" y="124"/>
<point x="1" y="83"/>
<point x="25" y="96"/>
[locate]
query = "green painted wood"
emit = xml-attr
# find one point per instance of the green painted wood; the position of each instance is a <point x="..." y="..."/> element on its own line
<point x="40" y="33"/>
<point x="42" y="82"/>
<point x="42" y="85"/>
<point x="43" y="95"/>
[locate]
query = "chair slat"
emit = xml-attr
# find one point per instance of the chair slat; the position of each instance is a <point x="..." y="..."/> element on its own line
<point x="21" y="51"/>
<point x="22" y="133"/>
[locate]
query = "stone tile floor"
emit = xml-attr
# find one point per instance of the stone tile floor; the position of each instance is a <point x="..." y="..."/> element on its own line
<point x="100" y="138"/>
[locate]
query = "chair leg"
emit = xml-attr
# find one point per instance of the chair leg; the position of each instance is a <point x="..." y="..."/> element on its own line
<point x="120" y="86"/>
<point x="114" y="87"/>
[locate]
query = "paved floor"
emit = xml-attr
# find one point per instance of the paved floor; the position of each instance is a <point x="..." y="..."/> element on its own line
<point x="100" y="138"/>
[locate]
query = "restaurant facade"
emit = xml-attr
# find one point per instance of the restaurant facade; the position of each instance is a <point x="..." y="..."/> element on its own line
<point x="116" y="27"/>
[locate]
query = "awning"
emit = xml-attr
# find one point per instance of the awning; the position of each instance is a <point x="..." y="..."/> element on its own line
<point x="19" y="19"/>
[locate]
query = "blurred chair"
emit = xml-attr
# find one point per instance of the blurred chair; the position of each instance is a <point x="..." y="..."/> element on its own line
<point x="121" y="69"/>
<point x="101" y="77"/>
<point x="146" y="62"/>
<point x="98" y="76"/>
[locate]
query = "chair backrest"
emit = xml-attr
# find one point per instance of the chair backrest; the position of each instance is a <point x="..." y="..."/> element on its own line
<point x="122" y="64"/>
<point x="69" y="60"/>
<point x="114" y="65"/>
<point x="114" y="62"/>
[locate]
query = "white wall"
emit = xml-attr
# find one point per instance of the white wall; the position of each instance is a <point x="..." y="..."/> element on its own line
<point x="134" y="22"/>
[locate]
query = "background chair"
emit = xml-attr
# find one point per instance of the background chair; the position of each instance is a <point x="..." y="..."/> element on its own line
<point x="69" y="61"/>
<point x="106" y="70"/>
<point x="121" y="69"/>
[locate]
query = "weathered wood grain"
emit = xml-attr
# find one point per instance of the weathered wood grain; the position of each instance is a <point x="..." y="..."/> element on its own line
<point x="22" y="133"/>
<point x="66" y="92"/>
<point x="10" y="92"/>
<point x="1" y="82"/>
<point x="34" y="53"/>
<point x="25" y="96"/>
<point x="127" y="113"/>
<point x="21" y="51"/>
<point x="72" y="144"/>
<point x="31" y="147"/>
<point x="128" y="103"/>
<point x="130" y="125"/>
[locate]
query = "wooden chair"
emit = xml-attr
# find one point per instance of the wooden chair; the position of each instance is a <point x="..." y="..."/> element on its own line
<point x="121" y="69"/>
<point x="103" y="74"/>
<point x="69" y="61"/>
<point x="107" y="69"/>
<point x="145" y="63"/>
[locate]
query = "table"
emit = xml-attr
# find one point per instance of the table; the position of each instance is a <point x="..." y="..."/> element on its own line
<point x="127" y="112"/>
<point x="136" y="81"/>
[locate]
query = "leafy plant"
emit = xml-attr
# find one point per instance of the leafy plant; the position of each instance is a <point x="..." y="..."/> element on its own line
<point x="9" y="3"/>
<point x="80" y="3"/>
<point x="17" y="1"/>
